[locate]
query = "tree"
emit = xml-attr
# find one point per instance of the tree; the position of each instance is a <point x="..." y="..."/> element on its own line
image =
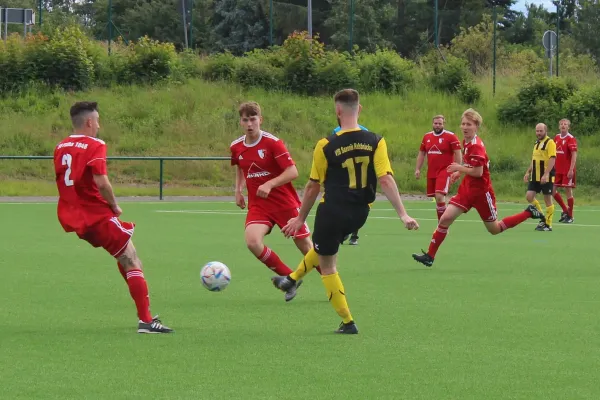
<point x="373" y="24"/>
<point x="239" y="26"/>
<point x="587" y="29"/>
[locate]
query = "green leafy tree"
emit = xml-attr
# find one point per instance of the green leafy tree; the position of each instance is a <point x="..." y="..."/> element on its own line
<point x="239" y="26"/>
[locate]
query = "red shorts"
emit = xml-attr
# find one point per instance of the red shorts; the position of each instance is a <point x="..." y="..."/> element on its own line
<point x="483" y="202"/>
<point x="439" y="184"/>
<point x="280" y="218"/>
<point x="111" y="234"/>
<point x="562" y="180"/>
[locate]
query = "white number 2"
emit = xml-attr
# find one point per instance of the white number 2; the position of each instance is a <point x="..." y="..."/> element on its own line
<point x="66" y="160"/>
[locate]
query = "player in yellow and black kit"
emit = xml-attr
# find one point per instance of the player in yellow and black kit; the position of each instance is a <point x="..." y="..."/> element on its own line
<point x="349" y="164"/>
<point x="540" y="175"/>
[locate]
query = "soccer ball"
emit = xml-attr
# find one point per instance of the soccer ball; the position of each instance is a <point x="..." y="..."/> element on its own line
<point x="215" y="276"/>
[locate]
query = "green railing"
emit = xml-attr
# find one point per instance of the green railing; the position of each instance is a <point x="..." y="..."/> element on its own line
<point x="135" y="158"/>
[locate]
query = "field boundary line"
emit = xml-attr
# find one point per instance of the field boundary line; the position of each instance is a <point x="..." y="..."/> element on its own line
<point x="240" y="212"/>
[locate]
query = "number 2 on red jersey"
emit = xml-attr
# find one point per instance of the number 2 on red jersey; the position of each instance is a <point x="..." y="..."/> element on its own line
<point x="67" y="159"/>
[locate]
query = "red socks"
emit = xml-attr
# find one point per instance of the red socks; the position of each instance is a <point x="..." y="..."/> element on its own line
<point x="514" y="220"/>
<point x="441" y="207"/>
<point x="436" y="241"/>
<point x="571" y="201"/>
<point x="272" y="260"/>
<point x="560" y="202"/>
<point x="139" y="292"/>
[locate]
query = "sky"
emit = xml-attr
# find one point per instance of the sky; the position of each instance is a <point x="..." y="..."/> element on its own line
<point x="520" y="4"/>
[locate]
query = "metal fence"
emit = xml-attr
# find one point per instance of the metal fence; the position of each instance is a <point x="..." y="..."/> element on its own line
<point x="160" y="159"/>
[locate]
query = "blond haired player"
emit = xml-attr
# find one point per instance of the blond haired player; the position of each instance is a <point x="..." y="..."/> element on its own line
<point x="475" y="191"/>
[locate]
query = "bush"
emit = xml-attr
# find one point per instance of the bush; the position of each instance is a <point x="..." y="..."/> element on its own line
<point x="335" y="72"/>
<point x="252" y="72"/>
<point x="13" y="64"/>
<point x="447" y="75"/>
<point x="63" y="61"/>
<point x="583" y="109"/>
<point x="151" y="61"/>
<point x="468" y="92"/>
<point x="220" y="67"/>
<point x="385" y="71"/>
<point x="520" y="61"/>
<point x="303" y="54"/>
<point x="475" y="45"/>
<point x="539" y="100"/>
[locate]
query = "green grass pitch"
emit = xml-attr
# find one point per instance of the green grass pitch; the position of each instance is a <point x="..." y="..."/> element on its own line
<point x="509" y="317"/>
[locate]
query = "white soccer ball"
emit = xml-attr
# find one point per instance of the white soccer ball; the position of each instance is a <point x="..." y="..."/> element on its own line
<point x="215" y="276"/>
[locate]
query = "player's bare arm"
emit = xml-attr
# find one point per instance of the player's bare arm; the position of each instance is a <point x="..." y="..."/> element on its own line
<point x="107" y="193"/>
<point x="572" y="166"/>
<point x="455" y="177"/>
<point x="390" y="190"/>
<point x="311" y="192"/>
<point x="546" y="177"/>
<point x="288" y="175"/>
<point x="528" y="172"/>
<point x="239" y="188"/>
<point x="475" y="172"/>
<point x="458" y="156"/>
<point x="420" y="160"/>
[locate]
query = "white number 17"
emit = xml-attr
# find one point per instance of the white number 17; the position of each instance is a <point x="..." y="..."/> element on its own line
<point x="67" y="159"/>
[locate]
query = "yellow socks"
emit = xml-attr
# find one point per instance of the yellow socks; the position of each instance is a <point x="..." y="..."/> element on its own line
<point x="549" y="215"/>
<point x="310" y="260"/>
<point x="337" y="297"/>
<point x="537" y="205"/>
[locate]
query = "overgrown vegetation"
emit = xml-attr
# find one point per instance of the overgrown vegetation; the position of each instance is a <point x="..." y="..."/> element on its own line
<point x="69" y="60"/>
<point x="152" y="103"/>
<point x="200" y="119"/>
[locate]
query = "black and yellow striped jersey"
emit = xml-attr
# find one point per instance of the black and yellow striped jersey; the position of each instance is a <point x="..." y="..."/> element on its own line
<point x="543" y="151"/>
<point x="348" y="163"/>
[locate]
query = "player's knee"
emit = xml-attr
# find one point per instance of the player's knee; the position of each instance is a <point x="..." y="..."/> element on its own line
<point x="530" y="196"/>
<point x="254" y="244"/>
<point x="445" y="220"/>
<point x="129" y="259"/>
<point x="304" y="245"/>
<point x="494" y="229"/>
<point x="439" y="197"/>
<point x="328" y="270"/>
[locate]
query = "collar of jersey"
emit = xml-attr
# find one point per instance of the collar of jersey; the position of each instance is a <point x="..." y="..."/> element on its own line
<point x="472" y="141"/>
<point x="439" y="134"/>
<point x="342" y="131"/>
<point x="541" y="140"/>
<point x="564" y="137"/>
<point x="255" y="143"/>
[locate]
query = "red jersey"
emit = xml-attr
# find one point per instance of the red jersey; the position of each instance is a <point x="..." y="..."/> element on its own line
<point x="260" y="162"/>
<point x="474" y="155"/>
<point x="80" y="205"/>
<point x="440" y="151"/>
<point x="565" y="146"/>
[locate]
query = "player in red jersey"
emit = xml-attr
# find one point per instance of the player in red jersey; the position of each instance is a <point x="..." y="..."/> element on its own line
<point x="566" y="158"/>
<point x="266" y="167"/>
<point x="87" y="206"/>
<point x="475" y="191"/>
<point x="441" y="147"/>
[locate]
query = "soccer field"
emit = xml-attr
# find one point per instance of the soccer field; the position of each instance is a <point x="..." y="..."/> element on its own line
<point x="514" y="316"/>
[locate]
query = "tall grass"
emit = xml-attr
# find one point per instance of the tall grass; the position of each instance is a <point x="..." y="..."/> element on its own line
<point x="200" y="119"/>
